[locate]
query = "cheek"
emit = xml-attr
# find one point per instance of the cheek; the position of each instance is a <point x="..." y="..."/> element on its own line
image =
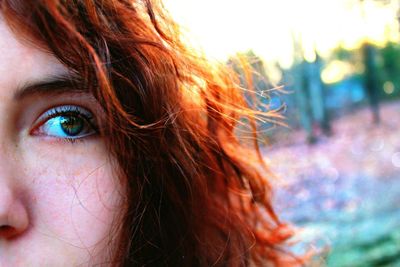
<point x="75" y="196"/>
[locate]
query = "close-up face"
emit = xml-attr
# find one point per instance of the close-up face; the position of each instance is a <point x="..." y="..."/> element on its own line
<point x="59" y="197"/>
<point x="123" y="145"/>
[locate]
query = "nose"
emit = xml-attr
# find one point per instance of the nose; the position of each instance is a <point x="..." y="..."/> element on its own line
<point x="13" y="213"/>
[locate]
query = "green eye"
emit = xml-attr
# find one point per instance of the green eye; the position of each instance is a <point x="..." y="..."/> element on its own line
<point x="68" y="122"/>
<point x="71" y="125"/>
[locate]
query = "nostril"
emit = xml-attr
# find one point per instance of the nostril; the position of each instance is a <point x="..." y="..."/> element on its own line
<point x="14" y="218"/>
<point x="7" y="231"/>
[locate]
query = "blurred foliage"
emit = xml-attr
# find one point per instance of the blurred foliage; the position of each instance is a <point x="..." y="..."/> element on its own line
<point x="386" y="71"/>
<point x="390" y="55"/>
<point x="369" y="76"/>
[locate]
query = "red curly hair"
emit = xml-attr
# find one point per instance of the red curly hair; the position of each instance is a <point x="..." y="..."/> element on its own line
<point x="195" y="196"/>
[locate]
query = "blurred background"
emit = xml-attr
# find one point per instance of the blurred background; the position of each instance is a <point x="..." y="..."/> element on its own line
<point x="338" y="158"/>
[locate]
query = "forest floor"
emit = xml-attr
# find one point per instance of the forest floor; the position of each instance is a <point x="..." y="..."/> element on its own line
<point x="343" y="193"/>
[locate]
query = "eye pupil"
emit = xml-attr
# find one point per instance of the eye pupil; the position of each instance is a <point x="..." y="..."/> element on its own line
<point x="71" y="125"/>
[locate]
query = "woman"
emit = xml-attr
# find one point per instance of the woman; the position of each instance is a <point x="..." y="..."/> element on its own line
<point x="118" y="145"/>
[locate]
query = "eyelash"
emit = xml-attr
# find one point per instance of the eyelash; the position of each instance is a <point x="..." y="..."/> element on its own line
<point x="65" y="111"/>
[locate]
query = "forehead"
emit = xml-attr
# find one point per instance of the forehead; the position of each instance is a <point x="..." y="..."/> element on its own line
<point x="22" y="62"/>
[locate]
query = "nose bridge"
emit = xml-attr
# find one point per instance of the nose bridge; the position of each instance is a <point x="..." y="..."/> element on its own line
<point x="7" y="154"/>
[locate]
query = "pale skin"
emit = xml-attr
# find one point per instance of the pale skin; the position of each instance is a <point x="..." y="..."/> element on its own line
<point x="59" y="200"/>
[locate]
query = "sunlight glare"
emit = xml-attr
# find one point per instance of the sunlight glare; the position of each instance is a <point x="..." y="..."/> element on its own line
<point x="225" y="27"/>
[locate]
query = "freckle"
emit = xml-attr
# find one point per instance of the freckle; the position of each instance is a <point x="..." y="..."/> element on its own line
<point x="58" y="180"/>
<point x="70" y="180"/>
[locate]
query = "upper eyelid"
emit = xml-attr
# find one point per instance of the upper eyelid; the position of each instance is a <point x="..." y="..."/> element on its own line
<point x="29" y="113"/>
<point x="45" y="116"/>
<point x="56" y="111"/>
<point x="46" y="113"/>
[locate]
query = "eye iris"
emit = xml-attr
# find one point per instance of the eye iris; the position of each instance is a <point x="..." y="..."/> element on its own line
<point x="71" y="125"/>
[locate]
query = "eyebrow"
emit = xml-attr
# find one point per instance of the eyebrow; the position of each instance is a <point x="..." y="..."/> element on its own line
<point x="51" y="86"/>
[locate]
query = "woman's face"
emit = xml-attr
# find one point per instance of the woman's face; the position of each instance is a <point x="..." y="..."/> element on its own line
<point x="59" y="198"/>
